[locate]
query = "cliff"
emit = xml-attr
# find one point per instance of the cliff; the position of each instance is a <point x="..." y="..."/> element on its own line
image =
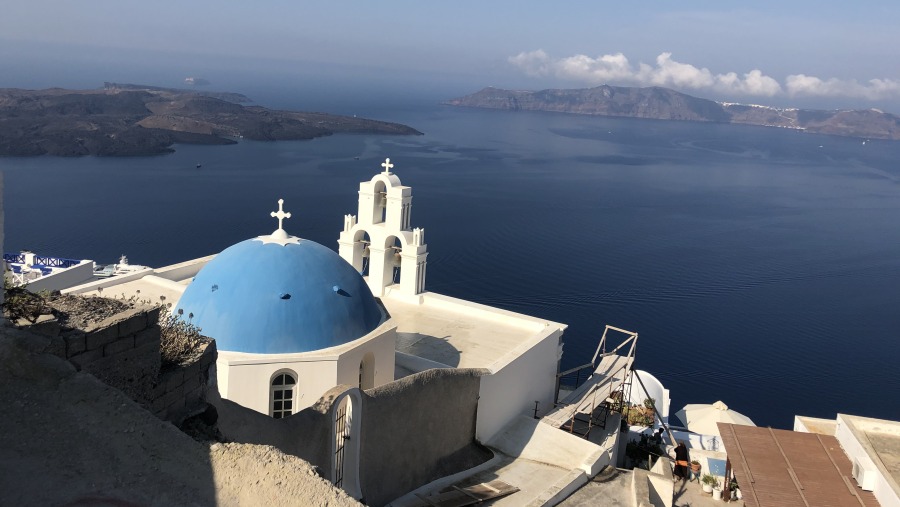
<point x="665" y="104"/>
<point x="143" y="120"/>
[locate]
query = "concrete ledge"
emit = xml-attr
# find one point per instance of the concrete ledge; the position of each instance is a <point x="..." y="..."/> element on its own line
<point x="561" y="490"/>
<point x="528" y="438"/>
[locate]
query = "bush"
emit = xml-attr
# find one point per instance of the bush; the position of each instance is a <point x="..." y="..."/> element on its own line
<point x="180" y="341"/>
<point x="19" y="303"/>
<point x="641" y="415"/>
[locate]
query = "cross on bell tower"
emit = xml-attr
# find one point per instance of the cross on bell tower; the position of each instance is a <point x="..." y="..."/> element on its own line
<point x="380" y="242"/>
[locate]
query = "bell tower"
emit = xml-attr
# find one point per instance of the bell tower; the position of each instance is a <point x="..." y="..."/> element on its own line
<point x="379" y="242"/>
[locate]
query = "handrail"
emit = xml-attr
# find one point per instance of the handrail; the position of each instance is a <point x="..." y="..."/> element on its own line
<point x="18" y="258"/>
<point x="573" y="370"/>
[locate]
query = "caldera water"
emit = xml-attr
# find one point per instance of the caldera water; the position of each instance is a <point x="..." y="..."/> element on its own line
<point x="760" y="266"/>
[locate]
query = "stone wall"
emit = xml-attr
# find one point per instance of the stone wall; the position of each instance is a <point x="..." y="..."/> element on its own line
<point x="399" y="453"/>
<point x="413" y="431"/>
<point x="181" y="392"/>
<point x="124" y="352"/>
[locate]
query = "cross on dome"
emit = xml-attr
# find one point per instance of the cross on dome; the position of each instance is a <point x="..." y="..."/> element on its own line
<point x="280" y="214"/>
<point x="280" y="233"/>
<point x="387" y="166"/>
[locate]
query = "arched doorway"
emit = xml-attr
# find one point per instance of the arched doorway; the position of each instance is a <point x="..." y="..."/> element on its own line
<point x="367" y="371"/>
<point x="345" y="443"/>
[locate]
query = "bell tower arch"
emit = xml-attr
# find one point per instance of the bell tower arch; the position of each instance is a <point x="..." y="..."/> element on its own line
<point x="380" y="238"/>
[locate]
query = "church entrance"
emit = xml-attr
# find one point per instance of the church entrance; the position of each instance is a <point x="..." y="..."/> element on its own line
<point x="342" y="421"/>
<point x="346" y="432"/>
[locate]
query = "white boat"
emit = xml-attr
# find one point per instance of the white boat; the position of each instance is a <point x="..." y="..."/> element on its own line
<point x="122" y="268"/>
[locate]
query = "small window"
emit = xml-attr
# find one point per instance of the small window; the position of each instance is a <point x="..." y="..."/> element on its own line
<point x="282" y="395"/>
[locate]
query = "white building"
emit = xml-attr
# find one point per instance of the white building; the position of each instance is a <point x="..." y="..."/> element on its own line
<point x="292" y="318"/>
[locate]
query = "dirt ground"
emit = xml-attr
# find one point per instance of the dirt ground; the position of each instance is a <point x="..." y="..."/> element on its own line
<point x="68" y="439"/>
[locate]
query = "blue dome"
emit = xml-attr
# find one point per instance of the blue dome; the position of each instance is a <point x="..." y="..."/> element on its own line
<point x="271" y="298"/>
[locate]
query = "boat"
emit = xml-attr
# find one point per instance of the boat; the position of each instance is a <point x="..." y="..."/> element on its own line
<point x="122" y="268"/>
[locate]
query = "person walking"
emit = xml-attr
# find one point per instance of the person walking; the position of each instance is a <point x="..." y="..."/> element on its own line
<point x="682" y="462"/>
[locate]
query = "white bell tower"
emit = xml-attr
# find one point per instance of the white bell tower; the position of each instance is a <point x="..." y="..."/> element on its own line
<point x="380" y="243"/>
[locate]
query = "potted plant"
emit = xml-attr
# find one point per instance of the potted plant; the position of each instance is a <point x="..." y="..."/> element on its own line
<point x="717" y="491"/>
<point x="709" y="482"/>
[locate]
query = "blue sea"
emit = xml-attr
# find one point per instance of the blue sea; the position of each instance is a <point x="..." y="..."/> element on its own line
<point x="760" y="266"/>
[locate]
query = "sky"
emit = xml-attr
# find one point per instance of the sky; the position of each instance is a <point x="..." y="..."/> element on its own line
<point x="785" y="53"/>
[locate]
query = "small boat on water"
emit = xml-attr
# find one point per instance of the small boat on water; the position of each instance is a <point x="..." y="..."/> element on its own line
<point x="199" y="166"/>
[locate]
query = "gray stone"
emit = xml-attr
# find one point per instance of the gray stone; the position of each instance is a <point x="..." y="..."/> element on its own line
<point x="101" y="337"/>
<point x="46" y="325"/>
<point x="85" y="358"/>
<point x="75" y="343"/>
<point x="174" y="379"/>
<point x="118" y="346"/>
<point x="174" y="399"/>
<point x="56" y="347"/>
<point x="148" y="335"/>
<point x="192" y="382"/>
<point x="133" y="324"/>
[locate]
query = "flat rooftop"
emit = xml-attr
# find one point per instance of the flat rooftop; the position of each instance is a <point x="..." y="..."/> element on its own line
<point x="440" y="329"/>
<point x="149" y="284"/>
<point x="881" y="440"/>
<point x="462" y="334"/>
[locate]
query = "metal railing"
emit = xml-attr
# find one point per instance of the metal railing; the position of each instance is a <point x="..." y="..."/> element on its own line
<point x="55" y="262"/>
<point x="17" y="258"/>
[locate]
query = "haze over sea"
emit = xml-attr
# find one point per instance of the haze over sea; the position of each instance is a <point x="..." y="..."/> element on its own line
<point x="759" y="266"/>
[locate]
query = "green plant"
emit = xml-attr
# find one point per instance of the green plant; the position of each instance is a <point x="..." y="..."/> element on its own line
<point x="710" y="479"/>
<point x="640" y="415"/>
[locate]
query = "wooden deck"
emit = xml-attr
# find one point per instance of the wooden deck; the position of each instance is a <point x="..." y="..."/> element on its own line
<point x="777" y="468"/>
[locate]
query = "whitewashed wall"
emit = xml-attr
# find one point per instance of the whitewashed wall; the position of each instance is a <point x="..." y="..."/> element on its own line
<point x="512" y="390"/>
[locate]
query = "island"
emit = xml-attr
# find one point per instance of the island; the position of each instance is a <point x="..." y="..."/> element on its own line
<point x="130" y="120"/>
<point x="665" y="104"/>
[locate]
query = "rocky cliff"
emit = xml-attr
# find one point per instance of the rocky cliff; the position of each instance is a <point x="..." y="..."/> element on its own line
<point x="135" y="120"/>
<point x="665" y="104"/>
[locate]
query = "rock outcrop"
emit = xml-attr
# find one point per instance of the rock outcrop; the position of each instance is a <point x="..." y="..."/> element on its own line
<point x="665" y="104"/>
<point x="134" y="120"/>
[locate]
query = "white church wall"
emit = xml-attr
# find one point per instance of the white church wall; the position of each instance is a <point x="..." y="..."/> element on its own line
<point x="248" y="383"/>
<point x="512" y="390"/>
<point x="381" y="347"/>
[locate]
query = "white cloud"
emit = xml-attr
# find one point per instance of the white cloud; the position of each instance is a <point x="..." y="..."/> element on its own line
<point x="801" y="84"/>
<point x="616" y="69"/>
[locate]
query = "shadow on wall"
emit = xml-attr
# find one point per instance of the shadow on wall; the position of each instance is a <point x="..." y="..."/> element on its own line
<point x="412" y="431"/>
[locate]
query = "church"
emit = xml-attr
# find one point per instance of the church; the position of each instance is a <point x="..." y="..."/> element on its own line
<point x="301" y="329"/>
<point x="292" y="318"/>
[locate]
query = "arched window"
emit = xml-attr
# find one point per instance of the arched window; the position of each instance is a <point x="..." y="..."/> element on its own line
<point x="281" y="401"/>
